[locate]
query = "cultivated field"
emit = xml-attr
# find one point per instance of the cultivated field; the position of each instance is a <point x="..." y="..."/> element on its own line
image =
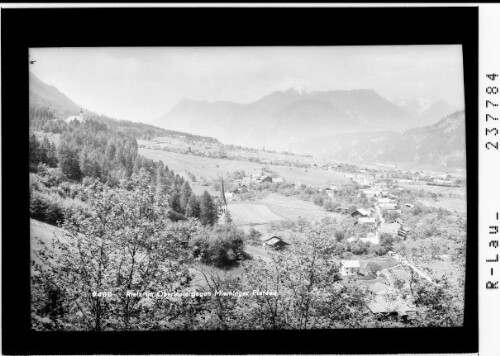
<point x="459" y="192"/>
<point x="450" y="198"/>
<point x="252" y="213"/>
<point x="204" y="167"/>
<point x="178" y="143"/>
<point x="458" y="205"/>
<point x="274" y="207"/>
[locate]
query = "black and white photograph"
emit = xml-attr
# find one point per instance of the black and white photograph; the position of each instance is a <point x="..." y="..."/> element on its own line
<point x="247" y="187"/>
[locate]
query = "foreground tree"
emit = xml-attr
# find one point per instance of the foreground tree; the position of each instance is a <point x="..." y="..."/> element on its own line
<point x="220" y="246"/>
<point x="193" y="209"/>
<point x="185" y="194"/>
<point x="116" y="247"/>
<point x="308" y="294"/>
<point x="208" y="210"/>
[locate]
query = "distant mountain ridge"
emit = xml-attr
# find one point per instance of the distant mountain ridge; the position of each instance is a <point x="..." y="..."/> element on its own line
<point x="302" y="121"/>
<point x="425" y="110"/>
<point x="440" y="145"/>
<point x="284" y="117"/>
<point x="42" y="94"/>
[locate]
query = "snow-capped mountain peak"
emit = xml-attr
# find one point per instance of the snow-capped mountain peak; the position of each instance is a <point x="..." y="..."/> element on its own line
<point x="300" y="90"/>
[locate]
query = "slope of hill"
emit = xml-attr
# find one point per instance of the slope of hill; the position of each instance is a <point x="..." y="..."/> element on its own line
<point x="43" y="94"/>
<point x="283" y="118"/>
<point x="439" y="145"/>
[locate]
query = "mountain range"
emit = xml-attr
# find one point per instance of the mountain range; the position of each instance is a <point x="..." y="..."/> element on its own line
<point x="354" y="125"/>
<point x="439" y="145"/>
<point x="425" y="110"/>
<point x="285" y="118"/>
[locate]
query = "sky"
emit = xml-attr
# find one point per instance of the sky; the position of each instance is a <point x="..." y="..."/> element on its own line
<point x="144" y="83"/>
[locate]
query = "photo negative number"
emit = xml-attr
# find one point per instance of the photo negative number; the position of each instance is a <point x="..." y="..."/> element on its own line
<point x="491" y="131"/>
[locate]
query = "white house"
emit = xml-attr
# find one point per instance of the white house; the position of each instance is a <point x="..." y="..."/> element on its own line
<point x="388" y="206"/>
<point x="371" y="193"/>
<point x="391" y="229"/>
<point x="385" y="201"/>
<point x="349" y="267"/>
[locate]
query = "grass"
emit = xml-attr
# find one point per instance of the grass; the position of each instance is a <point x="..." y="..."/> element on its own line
<point x="208" y="148"/>
<point x="274" y="207"/>
<point x="449" y="198"/>
<point x="453" y="204"/>
<point x="204" y="167"/>
<point x="42" y="232"/>
<point x="245" y="214"/>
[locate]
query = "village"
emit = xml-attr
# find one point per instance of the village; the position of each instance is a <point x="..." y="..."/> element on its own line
<point x="386" y="278"/>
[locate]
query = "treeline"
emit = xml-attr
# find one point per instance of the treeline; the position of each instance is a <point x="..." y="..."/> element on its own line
<point x="99" y="147"/>
<point x="182" y="201"/>
<point x="134" y="129"/>
<point x="46" y="119"/>
<point x="92" y="150"/>
<point x="41" y="118"/>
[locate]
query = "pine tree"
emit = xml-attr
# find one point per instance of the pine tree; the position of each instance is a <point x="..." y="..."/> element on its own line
<point x="52" y="157"/>
<point x="69" y="161"/>
<point x="175" y="203"/>
<point x="34" y="154"/>
<point x="193" y="208"/>
<point x="208" y="213"/>
<point x="186" y="193"/>
<point x="222" y="200"/>
<point x="159" y="173"/>
<point x="44" y="150"/>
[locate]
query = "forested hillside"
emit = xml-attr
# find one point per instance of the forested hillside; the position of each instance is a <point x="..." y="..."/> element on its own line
<point x="66" y="155"/>
<point x="441" y="145"/>
<point x="48" y="104"/>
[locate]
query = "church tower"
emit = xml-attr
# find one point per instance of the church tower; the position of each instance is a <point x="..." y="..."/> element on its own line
<point x="225" y="216"/>
<point x="222" y="199"/>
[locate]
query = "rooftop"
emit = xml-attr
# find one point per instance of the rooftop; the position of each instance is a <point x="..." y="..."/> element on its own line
<point x="350" y="263"/>
<point x="392" y="228"/>
<point x="385" y="303"/>
<point x="363" y="211"/>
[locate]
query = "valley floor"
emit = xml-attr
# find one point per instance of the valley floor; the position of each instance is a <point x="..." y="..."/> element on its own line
<point x="214" y="167"/>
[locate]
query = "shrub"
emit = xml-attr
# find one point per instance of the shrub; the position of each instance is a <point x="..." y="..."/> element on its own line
<point x="221" y="247"/>
<point x="253" y="237"/>
<point x="51" y="208"/>
<point x="318" y="200"/>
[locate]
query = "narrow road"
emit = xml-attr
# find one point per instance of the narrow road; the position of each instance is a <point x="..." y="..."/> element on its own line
<point x="376" y="240"/>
